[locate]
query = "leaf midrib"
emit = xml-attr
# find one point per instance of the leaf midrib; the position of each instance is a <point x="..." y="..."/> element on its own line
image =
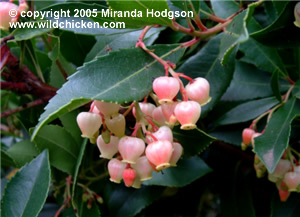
<point x="272" y="63"/>
<point x="33" y="188"/>
<point x="285" y="122"/>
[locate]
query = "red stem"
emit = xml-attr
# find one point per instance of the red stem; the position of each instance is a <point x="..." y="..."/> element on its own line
<point x="185" y="76"/>
<point x="62" y="207"/>
<point x="23" y="107"/>
<point x="153" y="137"/>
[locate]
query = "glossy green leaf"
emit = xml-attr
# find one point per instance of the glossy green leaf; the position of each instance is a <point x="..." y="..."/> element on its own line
<point x="6" y="159"/>
<point x="192" y="141"/>
<point x="200" y="6"/>
<point x="55" y="44"/>
<point x="296" y="90"/>
<point x="236" y="32"/>
<point x="56" y="77"/>
<point x="247" y="111"/>
<point x="105" y="44"/>
<point x="77" y="167"/>
<point x="275" y="85"/>
<point x="76" y="44"/>
<point x="271" y="145"/>
<point x="263" y="57"/>
<point x="22" y="152"/>
<point x="22" y="34"/>
<point x="289" y="208"/>
<point x="124" y="76"/>
<point x="224" y="9"/>
<point x="62" y="148"/>
<point x="72" y="7"/>
<point x="27" y="191"/>
<point x="143" y="7"/>
<point x="284" y="20"/>
<point x="248" y="83"/>
<point x="229" y="135"/>
<point x="206" y="64"/>
<point x="127" y="202"/>
<point x="69" y="122"/>
<point x="186" y="171"/>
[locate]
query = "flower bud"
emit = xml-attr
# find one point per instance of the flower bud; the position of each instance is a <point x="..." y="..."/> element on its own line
<point x="198" y="90"/>
<point x="108" y="150"/>
<point x="146" y="108"/>
<point x="292" y="180"/>
<point x="137" y="184"/>
<point x="89" y="123"/>
<point x="158" y="116"/>
<point x="106" y="108"/>
<point x="187" y="113"/>
<point x="247" y="135"/>
<point x="115" y="169"/>
<point x="5" y="18"/>
<point x="163" y="133"/>
<point x="129" y="176"/>
<point x="176" y="154"/>
<point x="116" y="125"/>
<point x="143" y="168"/>
<point x="166" y="88"/>
<point x="159" y="153"/>
<point x="168" y="111"/>
<point x="131" y="148"/>
<point x="281" y="168"/>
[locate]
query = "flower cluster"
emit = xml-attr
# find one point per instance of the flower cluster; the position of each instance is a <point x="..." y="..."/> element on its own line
<point x="286" y="175"/>
<point x="151" y="146"/>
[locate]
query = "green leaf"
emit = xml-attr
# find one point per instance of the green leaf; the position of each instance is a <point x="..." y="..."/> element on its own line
<point x="22" y="152"/>
<point x="192" y="141"/>
<point x="275" y="85"/>
<point x="296" y="90"/>
<point x="69" y="122"/>
<point x="124" y="76"/>
<point x="55" y="44"/>
<point x="272" y="143"/>
<point x="200" y="6"/>
<point x="143" y="7"/>
<point x="77" y="167"/>
<point x="76" y="44"/>
<point x="229" y="135"/>
<point x="247" y="111"/>
<point x="206" y="64"/>
<point x="62" y="148"/>
<point x="283" y="23"/>
<point x="224" y="9"/>
<point x="6" y="159"/>
<point x="106" y="44"/>
<point x="56" y="77"/>
<point x="263" y="57"/>
<point x="22" y="34"/>
<point x="236" y="32"/>
<point x="27" y="191"/>
<point x="127" y="202"/>
<point x="289" y="208"/>
<point x="186" y="171"/>
<point x="248" y="83"/>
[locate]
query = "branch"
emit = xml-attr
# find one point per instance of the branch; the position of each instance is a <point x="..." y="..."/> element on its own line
<point x="23" y="107"/>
